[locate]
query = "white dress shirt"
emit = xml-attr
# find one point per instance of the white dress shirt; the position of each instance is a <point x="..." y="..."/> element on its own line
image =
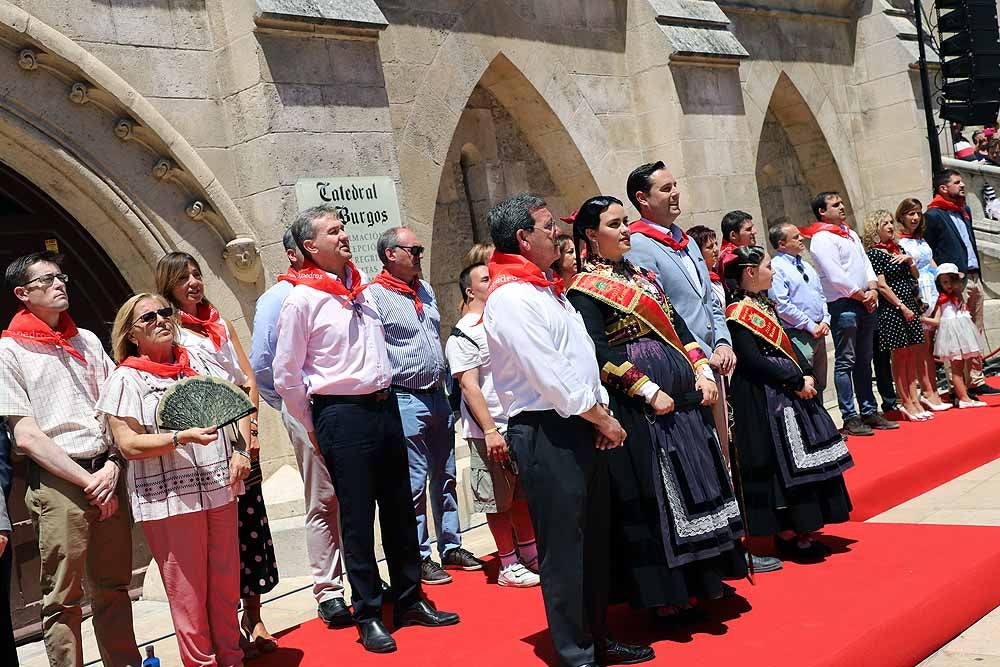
<point x="58" y="391"/>
<point x="842" y="264"/>
<point x="327" y="346"/>
<point x="541" y="354"/>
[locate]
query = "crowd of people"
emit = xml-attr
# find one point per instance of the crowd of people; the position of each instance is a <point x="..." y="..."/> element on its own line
<point x="636" y="407"/>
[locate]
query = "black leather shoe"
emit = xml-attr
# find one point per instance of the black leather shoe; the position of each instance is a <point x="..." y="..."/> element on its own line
<point x="790" y="550"/>
<point x="335" y="613"/>
<point x="422" y="613"/>
<point x="617" y="653"/>
<point x="374" y="636"/>
<point x="983" y="390"/>
<point x="763" y="564"/>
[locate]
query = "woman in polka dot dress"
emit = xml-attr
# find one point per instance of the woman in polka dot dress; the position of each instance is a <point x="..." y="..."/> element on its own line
<point x="178" y="277"/>
<point x="898" y="312"/>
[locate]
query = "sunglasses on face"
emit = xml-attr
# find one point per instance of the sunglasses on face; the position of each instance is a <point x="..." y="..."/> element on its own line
<point x="415" y="250"/>
<point x="150" y="317"/>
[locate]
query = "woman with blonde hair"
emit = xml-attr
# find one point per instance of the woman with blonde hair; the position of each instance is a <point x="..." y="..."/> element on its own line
<point x="182" y="484"/>
<point x="910" y="228"/>
<point x="899" y="326"/>
<point x="480" y="253"/>
<point x="179" y="279"/>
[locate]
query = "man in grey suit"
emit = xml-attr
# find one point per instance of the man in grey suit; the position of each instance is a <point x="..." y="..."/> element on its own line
<point x="659" y="245"/>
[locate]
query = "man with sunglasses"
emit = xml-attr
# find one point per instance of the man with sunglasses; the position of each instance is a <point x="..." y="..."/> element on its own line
<point x="51" y="374"/>
<point x="412" y="324"/>
<point x="798" y="297"/>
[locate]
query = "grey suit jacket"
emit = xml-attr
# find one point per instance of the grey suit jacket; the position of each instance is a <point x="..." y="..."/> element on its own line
<point x="695" y="302"/>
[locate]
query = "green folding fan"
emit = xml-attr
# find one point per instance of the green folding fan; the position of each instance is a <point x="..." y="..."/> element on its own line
<point x="202" y="402"/>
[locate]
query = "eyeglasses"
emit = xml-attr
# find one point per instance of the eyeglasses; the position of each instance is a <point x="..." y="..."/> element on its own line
<point x="415" y="250"/>
<point x="46" y="281"/>
<point x="150" y="316"/>
<point x="547" y="228"/>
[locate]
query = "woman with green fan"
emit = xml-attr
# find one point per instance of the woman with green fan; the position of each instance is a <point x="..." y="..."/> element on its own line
<point x="179" y="278"/>
<point x="182" y="481"/>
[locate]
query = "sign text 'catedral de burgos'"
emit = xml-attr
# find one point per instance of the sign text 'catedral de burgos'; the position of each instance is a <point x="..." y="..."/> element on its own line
<point x="367" y="205"/>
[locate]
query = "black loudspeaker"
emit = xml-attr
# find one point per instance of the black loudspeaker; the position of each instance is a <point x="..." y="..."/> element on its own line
<point x="970" y="60"/>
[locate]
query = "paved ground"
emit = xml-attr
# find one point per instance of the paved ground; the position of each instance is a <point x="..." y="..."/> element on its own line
<point x="973" y="499"/>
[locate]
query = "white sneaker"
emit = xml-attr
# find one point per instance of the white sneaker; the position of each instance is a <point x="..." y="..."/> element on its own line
<point x="518" y="576"/>
<point x="971" y="404"/>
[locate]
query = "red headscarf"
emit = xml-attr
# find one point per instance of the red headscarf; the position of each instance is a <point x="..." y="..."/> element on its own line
<point x="207" y="317"/>
<point x="394" y="284"/>
<point x="180" y="368"/>
<point x="27" y="326"/>
<point x="312" y="276"/>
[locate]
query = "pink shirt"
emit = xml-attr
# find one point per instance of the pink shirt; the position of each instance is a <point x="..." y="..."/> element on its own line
<point x="327" y="347"/>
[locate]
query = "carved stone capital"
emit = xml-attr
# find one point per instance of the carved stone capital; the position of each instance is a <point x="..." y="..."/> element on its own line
<point x="27" y="59"/>
<point x="242" y="256"/>
<point x="79" y="93"/>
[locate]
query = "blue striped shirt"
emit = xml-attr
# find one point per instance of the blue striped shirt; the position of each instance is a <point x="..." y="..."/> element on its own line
<point x="413" y="341"/>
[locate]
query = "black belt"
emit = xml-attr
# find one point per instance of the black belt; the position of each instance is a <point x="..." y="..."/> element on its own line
<point x="94" y="463"/>
<point x="360" y="399"/>
<point x="423" y="392"/>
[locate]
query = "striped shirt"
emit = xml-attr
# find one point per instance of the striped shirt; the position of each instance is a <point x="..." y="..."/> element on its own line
<point x="413" y="341"/>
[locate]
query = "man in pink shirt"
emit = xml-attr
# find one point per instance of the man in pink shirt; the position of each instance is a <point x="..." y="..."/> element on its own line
<point x="332" y="371"/>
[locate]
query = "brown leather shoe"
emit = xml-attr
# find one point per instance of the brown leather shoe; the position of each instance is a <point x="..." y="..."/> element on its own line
<point x="854" y="426"/>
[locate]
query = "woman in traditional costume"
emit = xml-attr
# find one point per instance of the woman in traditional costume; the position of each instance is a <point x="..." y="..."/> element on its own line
<point x="791" y="457"/>
<point x="677" y="526"/>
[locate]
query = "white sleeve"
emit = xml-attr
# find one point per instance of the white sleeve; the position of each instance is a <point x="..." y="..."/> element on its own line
<point x="292" y="332"/>
<point x="462" y="354"/>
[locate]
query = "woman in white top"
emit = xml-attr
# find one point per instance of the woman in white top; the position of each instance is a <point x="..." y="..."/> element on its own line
<point x="182" y="484"/>
<point x="910" y="226"/>
<point x="179" y="278"/>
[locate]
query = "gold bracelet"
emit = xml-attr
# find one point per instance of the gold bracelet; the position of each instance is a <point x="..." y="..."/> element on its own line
<point x="492" y="430"/>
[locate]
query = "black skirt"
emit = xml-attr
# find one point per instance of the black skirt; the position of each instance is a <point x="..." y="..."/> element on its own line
<point x="258" y="567"/>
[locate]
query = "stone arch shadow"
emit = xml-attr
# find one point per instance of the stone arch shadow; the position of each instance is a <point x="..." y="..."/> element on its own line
<point x="794" y="160"/>
<point x="507" y="139"/>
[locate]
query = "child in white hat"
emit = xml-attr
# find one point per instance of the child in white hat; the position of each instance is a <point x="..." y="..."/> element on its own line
<point x="958" y="341"/>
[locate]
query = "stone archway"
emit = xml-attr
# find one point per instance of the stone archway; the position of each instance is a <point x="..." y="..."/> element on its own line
<point x="94" y="144"/>
<point x="794" y="161"/>
<point x="507" y="140"/>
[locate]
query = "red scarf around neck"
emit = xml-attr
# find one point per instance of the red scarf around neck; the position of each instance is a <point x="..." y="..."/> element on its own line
<point x="312" y="276"/>
<point x="179" y="369"/>
<point x="394" y="284"/>
<point x="27" y="326"/>
<point x="946" y="205"/>
<point x="811" y="230"/>
<point x="506" y="268"/>
<point x="890" y="247"/>
<point x="643" y="227"/>
<point x="714" y="277"/>
<point x="945" y="298"/>
<point x="207" y="317"/>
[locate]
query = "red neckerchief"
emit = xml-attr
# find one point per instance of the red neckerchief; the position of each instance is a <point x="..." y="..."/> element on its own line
<point x="505" y="268"/>
<point x="817" y="227"/>
<point x="207" y="317"/>
<point x="28" y="326"/>
<point x="646" y="229"/>
<point x="180" y="368"/>
<point x="312" y="276"/>
<point x="715" y="277"/>
<point x="946" y="205"/>
<point x="394" y="284"/>
<point x="890" y="247"/>
<point x="945" y="298"/>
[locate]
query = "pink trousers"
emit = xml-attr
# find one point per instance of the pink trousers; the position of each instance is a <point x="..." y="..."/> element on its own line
<point x="198" y="557"/>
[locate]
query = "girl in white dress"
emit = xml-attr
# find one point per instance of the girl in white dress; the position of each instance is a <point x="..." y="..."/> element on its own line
<point x="958" y="340"/>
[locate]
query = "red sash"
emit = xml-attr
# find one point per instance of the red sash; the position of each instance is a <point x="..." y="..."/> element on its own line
<point x="28" y="326"/>
<point x="312" y="276"/>
<point x="632" y="300"/>
<point x="394" y="284"/>
<point x="946" y="205"/>
<point x="180" y="368"/>
<point x="507" y="268"/>
<point x="207" y="317"/>
<point x="646" y="229"/>
<point x="763" y="325"/>
<point x="817" y="227"/>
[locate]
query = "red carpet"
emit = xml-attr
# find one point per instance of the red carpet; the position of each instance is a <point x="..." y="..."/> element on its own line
<point x="892" y="467"/>
<point x="891" y="595"/>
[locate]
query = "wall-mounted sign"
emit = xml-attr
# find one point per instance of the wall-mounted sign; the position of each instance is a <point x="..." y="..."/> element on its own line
<point x="367" y="205"/>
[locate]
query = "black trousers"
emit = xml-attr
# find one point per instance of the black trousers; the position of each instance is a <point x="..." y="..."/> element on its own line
<point x="882" y="363"/>
<point x="365" y="451"/>
<point x="566" y="482"/>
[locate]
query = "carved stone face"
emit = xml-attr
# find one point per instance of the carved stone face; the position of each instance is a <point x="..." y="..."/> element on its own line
<point x="243" y="257"/>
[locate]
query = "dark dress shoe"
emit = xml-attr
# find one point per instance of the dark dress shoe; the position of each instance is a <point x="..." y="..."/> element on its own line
<point x="618" y="653"/>
<point x="422" y="613"/>
<point x="765" y="563"/>
<point x="984" y="390"/>
<point x="790" y="550"/>
<point x="374" y="636"/>
<point x="335" y="613"/>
